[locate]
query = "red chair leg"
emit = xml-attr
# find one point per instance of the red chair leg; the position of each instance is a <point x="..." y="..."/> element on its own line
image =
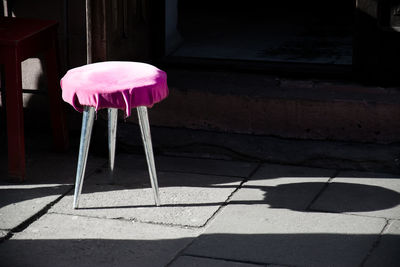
<point x="15" y="117"/>
<point x="57" y="114"/>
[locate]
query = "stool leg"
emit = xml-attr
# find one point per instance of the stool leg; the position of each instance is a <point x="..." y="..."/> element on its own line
<point x="112" y="133"/>
<point x="148" y="148"/>
<point x="86" y="132"/>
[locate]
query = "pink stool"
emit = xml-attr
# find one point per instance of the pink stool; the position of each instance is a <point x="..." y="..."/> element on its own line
<point x="114" y="85"/>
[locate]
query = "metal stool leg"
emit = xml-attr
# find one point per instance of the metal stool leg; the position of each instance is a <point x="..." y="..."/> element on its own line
<point x="112" y="133"/>
<point x="86" y="132"/>
<point x="148" y="148"/>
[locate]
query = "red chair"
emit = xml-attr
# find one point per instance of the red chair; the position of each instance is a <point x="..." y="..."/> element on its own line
<point x="21" y="39"/>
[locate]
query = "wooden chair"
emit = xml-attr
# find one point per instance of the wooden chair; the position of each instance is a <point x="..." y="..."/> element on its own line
<point x="21" y="39"/>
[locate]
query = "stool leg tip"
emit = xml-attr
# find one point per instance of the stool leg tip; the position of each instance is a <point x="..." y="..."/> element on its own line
<point x="75" y="205"/>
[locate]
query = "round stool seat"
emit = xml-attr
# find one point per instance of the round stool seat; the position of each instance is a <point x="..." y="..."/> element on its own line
<point x="114" y="84"/>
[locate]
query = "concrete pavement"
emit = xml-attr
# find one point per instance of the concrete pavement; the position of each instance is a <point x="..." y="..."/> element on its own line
<point x="216" y="211"/>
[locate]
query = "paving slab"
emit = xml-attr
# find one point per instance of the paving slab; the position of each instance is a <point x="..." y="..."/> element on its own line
<point x="134" y="161"/>
<point x="186" y="199"/>
<point x="281" y="186"/>
<point x="187" y="164"/>
<point x="288" y="238"/>
<point x="49" y="175"/>
<point x="44" y="166"/>
<point x="206" y="166"/>
<point x="61" y="240"/>
<point x="189" y="261"/>
<point x="257" y="233"/>
<point x="131" y="168"/>
<point x="20" y="202"/>
<point x="362" y="193"/>
<point x="59" y="167"/>
<point x="387" y="253"/>
<point x="3" y="234"/>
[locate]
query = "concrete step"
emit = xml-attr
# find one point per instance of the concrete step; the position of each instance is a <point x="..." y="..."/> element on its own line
<point x="256" y="103"/>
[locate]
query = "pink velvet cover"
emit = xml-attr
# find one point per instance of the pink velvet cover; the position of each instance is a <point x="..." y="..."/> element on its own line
<point x="114" y="84"/>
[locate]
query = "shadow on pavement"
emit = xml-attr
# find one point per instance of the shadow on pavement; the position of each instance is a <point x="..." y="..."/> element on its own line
<point x="12" y="195"/>
<point x="352" y="198"/>
<point x="285" y="249"/>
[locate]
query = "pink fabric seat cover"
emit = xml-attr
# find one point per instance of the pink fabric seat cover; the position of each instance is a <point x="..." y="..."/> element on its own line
<point x="114" y="84"/>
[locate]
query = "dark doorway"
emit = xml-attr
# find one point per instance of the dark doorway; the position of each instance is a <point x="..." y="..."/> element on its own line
<point x="287" y="31"/>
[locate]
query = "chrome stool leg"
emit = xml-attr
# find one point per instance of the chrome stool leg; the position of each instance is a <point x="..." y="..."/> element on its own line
<point x="148" y="148"/>
<point x="112" y="133"/>
<point x="86" y="132"/>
